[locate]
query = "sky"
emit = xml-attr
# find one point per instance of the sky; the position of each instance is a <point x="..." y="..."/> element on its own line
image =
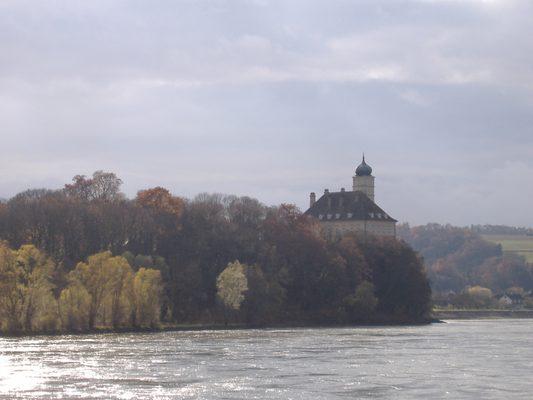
<point x="275" y="99"/>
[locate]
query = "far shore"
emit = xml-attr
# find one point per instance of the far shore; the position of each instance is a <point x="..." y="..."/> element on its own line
<point x="481" y="314"/>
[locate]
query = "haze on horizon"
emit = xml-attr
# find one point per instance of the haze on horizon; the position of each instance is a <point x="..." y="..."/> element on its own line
<point x="275" y="99"/>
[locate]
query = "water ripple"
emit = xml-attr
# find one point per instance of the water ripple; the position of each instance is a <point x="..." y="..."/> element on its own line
<point x="458" y="360"/>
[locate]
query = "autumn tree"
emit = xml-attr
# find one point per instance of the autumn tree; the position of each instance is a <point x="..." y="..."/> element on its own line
<point x="75" y="308"/>
<point x="480" y="296"/>
<point x="12" y="290"/>
<point x="103" y="186"/>
<point x="39" y="273"/>
<point x="118" y="291"/>
<point x="160" y="199"/>
<point x="147" y="289"/>
<point x="94" y="276"/>
<point x="158" y="221"/>
<point x="231" y="286"/>
<point x="27" y="302"/>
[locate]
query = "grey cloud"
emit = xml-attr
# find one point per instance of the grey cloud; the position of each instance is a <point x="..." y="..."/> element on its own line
<point x="275" y="99"/>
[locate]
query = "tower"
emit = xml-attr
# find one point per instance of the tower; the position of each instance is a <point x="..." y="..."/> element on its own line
<point x="363" y="180"/>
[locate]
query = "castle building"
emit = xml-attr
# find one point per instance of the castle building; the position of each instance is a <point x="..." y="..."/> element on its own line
<point x="352" y="211"/>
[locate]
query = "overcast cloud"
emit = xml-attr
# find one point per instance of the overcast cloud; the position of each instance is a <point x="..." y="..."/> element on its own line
<point x="275" y="99"/>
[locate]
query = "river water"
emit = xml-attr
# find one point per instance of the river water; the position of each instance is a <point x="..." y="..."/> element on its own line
<point x="469" y="359"/>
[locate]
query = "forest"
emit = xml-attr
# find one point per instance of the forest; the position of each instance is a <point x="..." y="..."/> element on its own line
<point x="85" y="258"/>
<point x="461" y="262"/>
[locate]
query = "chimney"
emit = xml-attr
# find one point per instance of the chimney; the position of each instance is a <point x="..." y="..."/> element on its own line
<point x="326" y="191"/>
<point x="312" y="199"/>
<point x="343" y="190"/>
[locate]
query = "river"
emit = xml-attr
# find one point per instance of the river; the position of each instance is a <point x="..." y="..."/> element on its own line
<point x="463" y="359"/>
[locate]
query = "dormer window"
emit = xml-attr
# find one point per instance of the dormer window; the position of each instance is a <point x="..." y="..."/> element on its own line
<point x="371" y="215"/>
<point x="320" y="216"/>
<point x="349" y="215"/>
<point x="329" y="216"/>
<point x="337" y="216"/>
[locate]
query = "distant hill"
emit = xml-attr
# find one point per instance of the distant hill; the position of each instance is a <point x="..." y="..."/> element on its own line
<point x="457" y="258"/>
<point x="513" y="244"/>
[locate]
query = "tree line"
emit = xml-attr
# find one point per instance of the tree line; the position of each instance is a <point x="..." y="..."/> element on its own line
<point x="109" y="261"/>
<point x="461" y="263"/>
<point x="36" y="295"/>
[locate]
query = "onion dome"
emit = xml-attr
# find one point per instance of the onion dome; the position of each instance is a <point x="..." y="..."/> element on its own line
<point x="363" y="169"/>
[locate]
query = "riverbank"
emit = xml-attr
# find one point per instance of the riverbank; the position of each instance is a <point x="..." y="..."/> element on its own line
<point x="481" y="314"/>
<point x="230" y="326"/>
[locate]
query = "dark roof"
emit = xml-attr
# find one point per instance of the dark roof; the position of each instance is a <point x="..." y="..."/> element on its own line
<point x="363" y="169"/>
<point x="347" y="206"/>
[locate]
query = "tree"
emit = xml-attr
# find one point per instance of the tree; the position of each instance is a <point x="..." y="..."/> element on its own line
<point x="362" y="304"/>
<point x="38" y="275"/>
<point x="158" y="221"/>
<point x="27" y="301"/>
<point x="92" y="278"/>
<point x="118" y="286"/>
<point x="75" y="308"/>
<point x="231" y="286"/>
<point x="103" y="186"/>
<point x="147" y="289"/>
<point x="12" y="291"/>
<point x="264" y="298"/>
<point x="480" y="296"/>
<point x="106" y="279"/>
<point x="399" y="278"/>
<point x="160" y="199"/>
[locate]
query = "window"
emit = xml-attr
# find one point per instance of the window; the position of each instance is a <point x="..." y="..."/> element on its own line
<point x="329" y="216"/>
<point x="349" y="215"/>
<point x="337" y="216"/>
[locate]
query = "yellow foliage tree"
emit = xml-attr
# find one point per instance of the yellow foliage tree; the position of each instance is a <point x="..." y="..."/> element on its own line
<point x="232" y="284"/>
<point x="74" y="307"/>
<point x="118" y="291"/>
<point x="40" y="312"/>
<point x="12" y="291"/>
<point x="91" y="276"/>
<point x="147" y="289"/>
<point x="107" y="280"/>
<point x="27" y="302"/>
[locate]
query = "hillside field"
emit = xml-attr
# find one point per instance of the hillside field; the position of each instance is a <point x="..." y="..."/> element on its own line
<point x="520" y="244"/>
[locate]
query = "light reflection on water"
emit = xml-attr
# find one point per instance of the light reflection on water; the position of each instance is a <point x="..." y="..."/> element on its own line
<point x="489" y="359"/>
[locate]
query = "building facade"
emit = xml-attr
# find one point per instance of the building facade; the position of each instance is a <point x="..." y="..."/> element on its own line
<point x="352" y="211"/>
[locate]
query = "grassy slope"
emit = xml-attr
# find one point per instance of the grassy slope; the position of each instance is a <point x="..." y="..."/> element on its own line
<point x="520" y="244"/>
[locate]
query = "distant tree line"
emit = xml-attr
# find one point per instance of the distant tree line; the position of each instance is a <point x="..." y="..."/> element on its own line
<point x="501" y="230"/>
<point x="100" y="260"/>
<point x="458" y="259"/>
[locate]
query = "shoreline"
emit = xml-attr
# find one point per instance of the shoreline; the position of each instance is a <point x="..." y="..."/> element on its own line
<point x="438" y="316"/>
<point x="481" y="314"/>
<point x="220" y="327"/>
